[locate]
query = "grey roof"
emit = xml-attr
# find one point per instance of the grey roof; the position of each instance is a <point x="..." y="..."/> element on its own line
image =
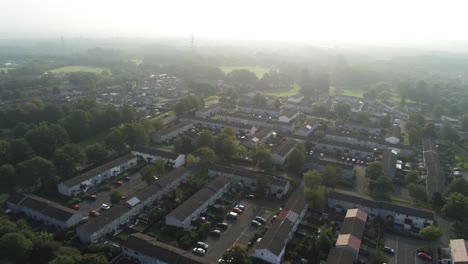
<point x="435" y="182"/>
<point x="353" y="226"/>
<point x="186" y="209"/>
<point x="91" y="173"/>
<point x="262" y="132"/>
<point x="389" y="162"/>
<point x="355" y="198"/>
<point x="220" y="122"/>
<point x="285" y="147"/>
<point x="157" y="152"/>
<point x="174" y="127"/>
<point x="42" y="206"/>
<point x="148" y="191"/>
<point x="160" y="183"/>
<point x="276" y="237"/>
<point x="346" y="145"/>
<point x="104" y="219"/>
<point x="258" y="107"/>
<point x="169" y="254"/>
<point x="289" y="113"/>
<point x="360" y="125"/>
<point x="340" y="256"/>
<point x="272" y="180"/>
<point x="254" y="119"/>
<point x="394" y="131"/>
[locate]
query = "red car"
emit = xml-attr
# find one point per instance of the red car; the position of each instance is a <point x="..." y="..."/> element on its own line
<point x="75" y="207"/>
<point x="92" y="197"/>
<point x="94" y="213"/>
<point x="119" y="183"/>
<point x="237" y="210"/>
<point x="424" y="256"/>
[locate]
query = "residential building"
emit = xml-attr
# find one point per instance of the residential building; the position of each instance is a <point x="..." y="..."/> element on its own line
<point x="389" y="163"/>
<point x="296" y="98"/>
<point x="172" y="132"/>
<point x="220" y="124"/>
<point x="151" y="155"/>
<point x="143" y="249"/>
<point x="208" y="111"/>
<point x="260" y="136"/>
<point x="412" y="108"/>
<point x="393" y="135"/>
<point x="114" y="219"/>
<point x="191" y="209"/>
<point x="272" y="246"/>
<point x="340" y="256"/>
<point x="435" y="178"/>
<point x="347" y="150"/>
<point x="307" y="129"/>
<point x="362" y="127"/>
<point x="240" y="118"/>
<point x="405" y="216"/>
<point x="288" y="116"/>
<point x="352" y="231"/>
<point x="276" y="186"/>
<point x="459" y="251"/>
<point x="40" y="209"/>
<point x="92" y="178"/>
<point x="259" y="110"/>
<point x="281" y="152"/>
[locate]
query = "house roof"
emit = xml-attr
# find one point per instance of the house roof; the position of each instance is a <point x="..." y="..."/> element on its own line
<point x="174" y="127"/>
<point x="285" y="147"/>
<point x="91" y="173"/>
<point x="350" y="241"/>
<point x="389" y="160"/>
<point x="43" y="206"/>
<point x="435" y="181"/>
<point x="272" y="180"/>
<point x="340" y="256"/>
<point x="209" y="108"/>
<point x="263" y="132"/>
<point x="104" y="219"/>
<point x="353" y="226"/>
<point x="169" y="254"/>
<point x="394" y="131"/>
<point x="358" y="213"/>
<point x="186" y="209"/>
<point x="261" y="108"/>
<point x="157" y="152"/>
<point x="220" y="122"/>
<point x="275" y="238"/>
<point x="160" y="183"/>
<point x="358" y="199"/>
<point x="459" y="250"/>
<point x="289" y="113"/>
<point x="245" y="117"/>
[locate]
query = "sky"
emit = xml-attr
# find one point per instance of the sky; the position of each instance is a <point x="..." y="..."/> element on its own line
<point x="357" y="21"/>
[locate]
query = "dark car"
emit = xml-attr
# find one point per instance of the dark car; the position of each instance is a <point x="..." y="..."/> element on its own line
<point x="389" y="250"/>
<point x="260" y="219"/>
<point x="216" y="233"/>
<point x="223" y="225"/>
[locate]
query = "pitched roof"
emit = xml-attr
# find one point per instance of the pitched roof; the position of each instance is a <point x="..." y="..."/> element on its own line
<point x="285" y="147"/>
<point x="186" y="209"/>
<point x="289" y="113"/>
<point x="157" y="152"/>
<point x="91" y="173"/>
<point x="394" y="131"/>
<point x="358" y="213"/>
<point x="358" y="199"/>
<point x="105" y="218"/>
<point x="459" y="250"/>
<point x="171" y="176"/>
<point x="149" y="246"/>
<point x="350" y="241"/>
<point x="272" y="180"/>
<point x="220" y="122"/>
<point x="174" y="127"/>
<point x="340" y="256"/>
<point x="435" y="181"/>
<point x="353" y="226"/>
<point x="389" y="160"/>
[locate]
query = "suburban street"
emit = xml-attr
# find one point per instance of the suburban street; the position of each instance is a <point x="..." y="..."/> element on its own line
<point x="405" y="250"/>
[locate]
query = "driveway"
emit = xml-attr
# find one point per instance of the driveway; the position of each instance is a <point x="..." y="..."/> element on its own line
<point x="405" y="250"/>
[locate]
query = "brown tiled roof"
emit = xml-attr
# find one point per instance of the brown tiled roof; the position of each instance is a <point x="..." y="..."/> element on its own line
<point x="285" y="147"/>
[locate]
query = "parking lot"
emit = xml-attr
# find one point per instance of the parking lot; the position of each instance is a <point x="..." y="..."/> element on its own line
<point x="240" y="231"/>
<point x="127" y="189"/>
<point x="405" y="250"/>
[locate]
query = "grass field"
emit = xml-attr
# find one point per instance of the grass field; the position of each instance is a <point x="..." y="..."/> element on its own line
<point x="66" y="69"/>
<point x="394" y="97"/>
<point x="293" y="91"/>
<point x="5" y="69"/>
<point x="259" y="71"/>
<point x="161" y="116"/>
<point x="210" y="99"/>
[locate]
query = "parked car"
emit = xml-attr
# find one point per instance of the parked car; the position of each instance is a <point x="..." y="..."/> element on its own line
<point x="260" y="219"/>
<point x="223" y="225"/>
<point x="232" y="215"/>
<point x="105" y="206"/>
<point x="250" y="196"/>
<point x="127" y="179"/>
<point x="203" y="245"/>
<point x="118" y="183"/>
<point x="94" y="213"/>
<point x="240" y="206"/>
<point x="75" y="207"/>
<point x="91" y="197"/>
<point x="424" y="256"/>
<point x="216" y="233"/>
<point x="256" y="223"/>
<point x="237" y="210"/>
<point x="199" y="251"/>
<point x="389" y="250"/>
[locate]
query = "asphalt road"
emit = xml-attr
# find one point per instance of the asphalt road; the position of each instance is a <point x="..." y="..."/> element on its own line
<point x="405" y="250"/>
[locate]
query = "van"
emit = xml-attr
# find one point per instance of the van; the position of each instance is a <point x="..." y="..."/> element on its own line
<point x="232" y="215"/>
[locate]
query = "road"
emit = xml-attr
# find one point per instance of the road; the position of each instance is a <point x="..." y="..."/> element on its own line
<point x="405" y="250"/>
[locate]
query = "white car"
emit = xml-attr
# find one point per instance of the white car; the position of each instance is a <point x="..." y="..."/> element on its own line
<point x="199" y="251"/>
<point x="202" y="245"/>
<point x="105" y="206"/>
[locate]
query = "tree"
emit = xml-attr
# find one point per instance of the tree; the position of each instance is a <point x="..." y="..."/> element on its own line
<point x="458" y="185"/>
<point x="184" y="144"/>
<point x="464" y="122"/>
<point x="229" y="132"/>
<point x="413" y="176"/>
<point x="417" y="191"/>
<point x="295" y="160"/>
<point x="96" y="153"/>
<point x="449" y="133"/>
<point x="385" y="122"/>
<point x="45" y="139"/>
<point x="428" y="130"/>
<point x="77" y="124"/>
<point x="320" y="109"/>
<point x="374" y="170"/>
<point x="127" y="114"/>
<point x="259" y="99"/>
<point x="66" y="158"/>
<point x="342" y="110"/>
<point x="93" y="259"/>
<point x="7" y="178"/>
<point x="331" y="176"/>
<point x="262" y="185"/>
<point x="36" y="173"/>
<point x="317" y="198"/>
<point x="135" y="134"/>
<point x="20" y="150"/>
<point x="63" y="259"/>
<point x="456" y="206"/>
<point x="261" y="157"/>
<point x="207" y="157"/>
<point x="312" y="179"/>
<point x="15" y="246"/>
<point x="116" y="139"/>
<point x="236" y="255"/>
<point x="205" y="139"/>
<point x="148" y="173"/>
<point x="115" y="196"/>
<point x="381" y="186"/>
<point x="430" y="232"/>
<point x="228" y="147"/>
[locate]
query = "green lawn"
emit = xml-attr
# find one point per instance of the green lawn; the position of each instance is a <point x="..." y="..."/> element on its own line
<point x="161" y="116"/>
<point x="92" y="69"/>
<point x="334" y="91"/>
<point x="461" y="160"/>
<point x="293" y="91"/>
<point x="259" y="71"/>
<point x="5" y="69"/>
<point x="210" y="99"/>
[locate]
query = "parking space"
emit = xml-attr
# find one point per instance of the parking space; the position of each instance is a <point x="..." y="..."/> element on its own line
<point x="405" y="250"/>
<point x="240" y="231"/>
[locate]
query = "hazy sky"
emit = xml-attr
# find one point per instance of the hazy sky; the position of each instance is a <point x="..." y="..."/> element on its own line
<point x="362" y="21"/>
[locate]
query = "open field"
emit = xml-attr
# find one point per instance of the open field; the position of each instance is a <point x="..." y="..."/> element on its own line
<point x="5" y="69"/>
<point x="162" y="115"/>
<point x="211" y="99"/>
<point x="66" y="69"/>
<point x="259" y="71"/>
<point x="394" y="97"/>
<point x="293" y="91"/>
